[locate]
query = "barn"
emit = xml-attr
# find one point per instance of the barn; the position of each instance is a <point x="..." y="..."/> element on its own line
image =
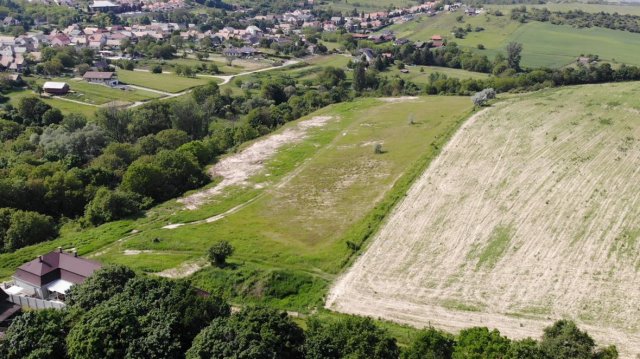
<point x="55" y="88"/>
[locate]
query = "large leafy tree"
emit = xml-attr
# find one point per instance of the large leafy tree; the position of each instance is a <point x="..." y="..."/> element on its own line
<point x="256" y="333"/>
<point x="480" y="343"/>
<point x="430" y="344"/>
<point x="36" y="335"/>
<point x="103" y="285"/>
<point x="351" y="337"/>
<point x="564" y="339"/>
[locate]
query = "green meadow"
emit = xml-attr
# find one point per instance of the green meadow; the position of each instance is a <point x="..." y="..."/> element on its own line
<point x="303" y="217"/>
<point x="544" y="44"/>
<point x="162" y="82"/>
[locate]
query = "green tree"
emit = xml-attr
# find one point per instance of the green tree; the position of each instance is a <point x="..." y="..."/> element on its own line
<point x="351" y="337"/>
<point x="108" y="205"/>
<point x="525" y="349"/>
<point x="105" y="332"/>
<point x="514" y="50"/>
<point x="219" y="252"/>
<point x="115" y="122"/>
<point x="31" y="109"/>
<point x="52" y="116"/>
<point x="101" y="286"/>
<point x="359" y="77"/>
<point x="430" y="344"/>
<point x="26" y="228"/>
<point x="257" y="333"/>
<point x="36" y="335"/>
<point x="480" y="343"/>
<point x="563" y="339"/>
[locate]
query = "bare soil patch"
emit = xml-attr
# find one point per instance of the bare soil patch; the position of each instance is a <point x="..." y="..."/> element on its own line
<point x="236" y="169"/>
<point x="530" y="214"/>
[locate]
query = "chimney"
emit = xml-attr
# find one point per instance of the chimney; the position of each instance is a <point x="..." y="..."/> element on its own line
<point x="75" y="253"/>
<point x="60" y="249"/>
<point x="40" y="258"/>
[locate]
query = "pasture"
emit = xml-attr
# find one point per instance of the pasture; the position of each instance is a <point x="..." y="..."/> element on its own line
<point x="96" y="94"/>
<point x="65" y="107"/>
<point x="530" y="214"/>
<point x="544" y="44"/>
<point x="308" y="197"/>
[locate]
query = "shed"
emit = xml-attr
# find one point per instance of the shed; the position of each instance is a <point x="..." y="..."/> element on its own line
<point x="55" y="88"/>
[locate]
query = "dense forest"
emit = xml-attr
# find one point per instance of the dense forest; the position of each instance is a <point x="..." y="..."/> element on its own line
<point x="117" y="314"/>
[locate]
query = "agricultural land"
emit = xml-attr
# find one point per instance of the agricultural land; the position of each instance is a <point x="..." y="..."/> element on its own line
<point x="528" y="215"/>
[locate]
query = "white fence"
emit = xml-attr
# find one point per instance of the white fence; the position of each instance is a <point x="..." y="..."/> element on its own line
<point x="34" y="303"/>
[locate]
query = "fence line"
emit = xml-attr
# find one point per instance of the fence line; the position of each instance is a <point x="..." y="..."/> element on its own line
<point x="34" y="303"/>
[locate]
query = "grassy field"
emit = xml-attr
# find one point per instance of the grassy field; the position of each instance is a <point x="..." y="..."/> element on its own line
<point x="64" y="106"/>
<point x="368" y="5"/>
<point x="544" y="44"/>
<point x="95" y="94"/>
<point x="296" y="215"/>
<point x="420" y="74"/>
<point x="528" y="215"/>
<point x="162" y="82"/>
<point x="564" y="7"/>
<point x="238" y="65"/>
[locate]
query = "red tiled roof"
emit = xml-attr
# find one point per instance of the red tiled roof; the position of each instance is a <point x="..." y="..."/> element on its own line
<point x="60" y="260"/>
<point x="436" y="38"/>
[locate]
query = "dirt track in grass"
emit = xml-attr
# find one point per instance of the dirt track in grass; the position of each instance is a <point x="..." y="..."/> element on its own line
<point x="530" y="214"/>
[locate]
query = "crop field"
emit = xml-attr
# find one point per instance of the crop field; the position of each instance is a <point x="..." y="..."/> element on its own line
<point x="544" y="44"/>
<point x="530" y="214"/>
<point x="162" y="82"/>
<point x="289" y="203"/>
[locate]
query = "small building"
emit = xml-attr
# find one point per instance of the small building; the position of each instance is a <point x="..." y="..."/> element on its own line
<point x="55" y="88"/>
<point x="51" y="275"/>
<point x="99" y="77"/>
<point x="103" y="6"/>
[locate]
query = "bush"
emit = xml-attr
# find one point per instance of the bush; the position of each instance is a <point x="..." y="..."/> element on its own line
<point x="219" y="252"/>
<point x="108" y="205"/>
<point x="481" y="98"/>
<point x="157" y="69"/>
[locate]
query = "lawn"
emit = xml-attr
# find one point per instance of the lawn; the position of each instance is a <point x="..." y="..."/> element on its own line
<point x="629" y="9"/>
<point x="161" y="82"/>
<point x="315" y="203"/>
<point x="367" y="5"/>
<point x="64" y="106"/>
<point x="544" y="44"/>
<point x="96" y="94"/>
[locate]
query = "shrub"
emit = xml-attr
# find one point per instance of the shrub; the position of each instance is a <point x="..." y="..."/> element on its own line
<point x="157" y="69"/>
<point x="219" y="252"/>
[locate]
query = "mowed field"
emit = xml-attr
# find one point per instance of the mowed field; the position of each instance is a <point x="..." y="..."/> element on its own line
<point x="530" y="214"/>
<point x="544" y="44"/>
<point x="162" y="82"/>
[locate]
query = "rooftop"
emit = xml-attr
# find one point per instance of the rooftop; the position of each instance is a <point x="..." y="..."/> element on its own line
<point x="60" y="260"/>
<point x="54" y="85"/>
<point x="98" y="75"/>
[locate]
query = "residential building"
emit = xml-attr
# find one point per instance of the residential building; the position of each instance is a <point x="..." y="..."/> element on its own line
<point x="99" y="77"/>
<point x="51" y="275"/>
<point x="8" y="310"/>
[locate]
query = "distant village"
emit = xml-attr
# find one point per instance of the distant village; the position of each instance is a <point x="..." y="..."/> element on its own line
<point x="17" y="52"/>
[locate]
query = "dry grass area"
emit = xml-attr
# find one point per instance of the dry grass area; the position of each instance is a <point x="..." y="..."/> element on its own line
<point x="530" y="214"/>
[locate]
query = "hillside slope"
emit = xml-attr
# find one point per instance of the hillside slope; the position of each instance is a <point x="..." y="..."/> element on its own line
<point x="530" y="214"/>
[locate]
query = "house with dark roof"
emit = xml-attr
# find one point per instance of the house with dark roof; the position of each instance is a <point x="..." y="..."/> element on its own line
<point x="99" y="77"/>
<point x="52" y="274"/>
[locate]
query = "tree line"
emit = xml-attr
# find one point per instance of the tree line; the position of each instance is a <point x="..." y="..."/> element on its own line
<point x="118" y="314"/>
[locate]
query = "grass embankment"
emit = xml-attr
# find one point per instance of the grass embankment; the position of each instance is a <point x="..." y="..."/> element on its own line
<point x="544" y="44"/>
<point x="315" y="197"/>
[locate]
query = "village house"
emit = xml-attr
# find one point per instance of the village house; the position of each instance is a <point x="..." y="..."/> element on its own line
<point x="99" y="77"/>
<point x="51" y="275"/>
<point x="55" y="88"/>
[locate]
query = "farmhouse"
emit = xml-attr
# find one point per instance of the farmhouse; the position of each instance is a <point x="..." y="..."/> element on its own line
<point x="99" y="77"/>
<point x="51" y="275"/>
<point x="55" y="88"/>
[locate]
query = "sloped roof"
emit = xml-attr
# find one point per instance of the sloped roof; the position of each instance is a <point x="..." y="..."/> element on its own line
<point x="3" y="295"/>
<point x="60" y="260"/>
<point x="54" y="85"/>
<point x="98" y="75"/>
